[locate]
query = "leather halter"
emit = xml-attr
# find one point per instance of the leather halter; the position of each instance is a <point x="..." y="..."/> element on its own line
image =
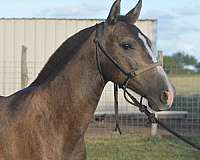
<point x="129" y="74"/>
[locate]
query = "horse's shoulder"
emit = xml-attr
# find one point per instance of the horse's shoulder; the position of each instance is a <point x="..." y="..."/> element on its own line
<point x="2" y="100"/>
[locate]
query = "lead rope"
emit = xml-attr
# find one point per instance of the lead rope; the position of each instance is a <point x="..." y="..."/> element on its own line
<point x="116" y="107"/>
<point x="153" y="119"/>
<point x="130" y="75"/>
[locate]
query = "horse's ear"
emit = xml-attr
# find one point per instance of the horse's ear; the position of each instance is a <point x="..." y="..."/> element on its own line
<point x="114" y="12"/>
<point x="134" y="14"/>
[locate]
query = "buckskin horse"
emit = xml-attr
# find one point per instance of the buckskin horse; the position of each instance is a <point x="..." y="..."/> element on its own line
<point x="48" y="119"/>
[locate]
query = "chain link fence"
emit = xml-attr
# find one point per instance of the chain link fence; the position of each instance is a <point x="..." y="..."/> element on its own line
<point x="184" y="117"/>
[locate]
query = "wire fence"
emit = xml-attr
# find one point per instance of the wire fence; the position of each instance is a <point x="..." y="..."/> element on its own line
<point x="184" y="117"/>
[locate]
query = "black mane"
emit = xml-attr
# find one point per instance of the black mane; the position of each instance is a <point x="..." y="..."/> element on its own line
<point x="62" y="56"/>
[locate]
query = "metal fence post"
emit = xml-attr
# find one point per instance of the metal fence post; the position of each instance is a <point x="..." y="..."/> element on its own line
<point x="24" y="69"/>
<point x="154" y="127"/>
<point x="160" y="56"/>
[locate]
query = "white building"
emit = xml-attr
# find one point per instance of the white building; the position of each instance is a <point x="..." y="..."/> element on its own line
<point x="42" y="37"/>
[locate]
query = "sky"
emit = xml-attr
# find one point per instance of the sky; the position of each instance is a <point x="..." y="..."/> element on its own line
<point x="178" y="20"/>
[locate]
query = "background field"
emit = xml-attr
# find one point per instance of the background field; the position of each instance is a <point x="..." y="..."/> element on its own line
<point x="138" y="148"/>
<point x="187" y="84"/>
<point x="137" y="143"/>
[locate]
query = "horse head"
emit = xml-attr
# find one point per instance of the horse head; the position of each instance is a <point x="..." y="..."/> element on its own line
<point x="128" y="58"/>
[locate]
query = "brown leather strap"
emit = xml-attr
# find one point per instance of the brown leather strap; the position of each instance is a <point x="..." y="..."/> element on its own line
<point x="116" y="106"/>
<point x="149" y="67"/>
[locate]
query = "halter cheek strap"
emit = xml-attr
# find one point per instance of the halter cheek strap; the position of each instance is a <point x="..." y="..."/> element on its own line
<point x="129" y="74"/>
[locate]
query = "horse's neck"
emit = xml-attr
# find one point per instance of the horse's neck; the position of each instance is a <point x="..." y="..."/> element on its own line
<point x="78" y="87"/>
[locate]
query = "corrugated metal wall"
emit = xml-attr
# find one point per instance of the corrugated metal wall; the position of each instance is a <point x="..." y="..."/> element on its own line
<point x="42" y="37"/>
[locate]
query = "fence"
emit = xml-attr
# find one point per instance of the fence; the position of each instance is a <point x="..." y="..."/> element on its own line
<point x="184" y="116"/>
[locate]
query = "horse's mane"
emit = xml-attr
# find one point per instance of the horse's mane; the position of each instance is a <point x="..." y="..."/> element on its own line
<point x="62" y="56"/>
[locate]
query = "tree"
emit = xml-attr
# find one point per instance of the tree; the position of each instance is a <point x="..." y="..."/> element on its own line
<point x="169" y="64"/>
<point x="184" y="59"/>
<point x="190" y="60"/>
<point x="198" y="67"/>
<point x="178" y="61"/>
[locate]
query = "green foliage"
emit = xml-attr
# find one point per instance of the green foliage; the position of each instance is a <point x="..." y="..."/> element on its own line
<point x="198" y="66"/>
<point x="184" y="59"/>
<point x="176" y="63"/>
<point x="169" y="64"/>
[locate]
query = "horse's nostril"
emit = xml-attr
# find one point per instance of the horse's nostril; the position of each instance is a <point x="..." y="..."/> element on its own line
<point x="165" y="97"/>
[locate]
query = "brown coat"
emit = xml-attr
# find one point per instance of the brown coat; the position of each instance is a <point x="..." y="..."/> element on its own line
<point x="48" y="119"/>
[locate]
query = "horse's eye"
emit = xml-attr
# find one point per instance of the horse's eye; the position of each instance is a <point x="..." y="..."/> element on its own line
<point x="126" y="46"/>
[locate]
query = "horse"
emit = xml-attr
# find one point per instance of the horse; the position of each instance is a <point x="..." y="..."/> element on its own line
<point x="48" y="119"/>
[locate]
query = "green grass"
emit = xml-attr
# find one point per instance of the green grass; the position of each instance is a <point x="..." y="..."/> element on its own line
<point x="148" y="148"/>
<point x="138" y="148"/>
<point x="186" y="84"/>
